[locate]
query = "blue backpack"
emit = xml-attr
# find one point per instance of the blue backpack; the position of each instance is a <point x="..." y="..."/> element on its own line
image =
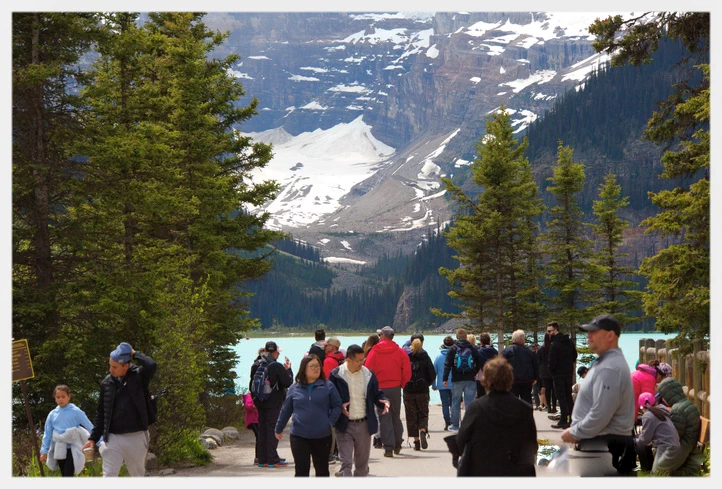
<point x="464" y="360"/>
<point x="261" y="388"/>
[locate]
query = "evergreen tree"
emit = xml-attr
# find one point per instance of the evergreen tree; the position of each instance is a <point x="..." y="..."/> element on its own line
<point x="678" y="289"/>
<point x="494" y="235"/>
<point x="619" y="296"/>
<point x="46" y="48"/>
<point x="571" y="273"/>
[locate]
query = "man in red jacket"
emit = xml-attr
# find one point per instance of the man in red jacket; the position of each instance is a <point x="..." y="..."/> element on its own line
<point x="391" y="365"/>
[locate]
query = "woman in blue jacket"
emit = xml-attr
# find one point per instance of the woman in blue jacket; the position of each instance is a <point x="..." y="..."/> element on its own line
<point x="315" y="405"/>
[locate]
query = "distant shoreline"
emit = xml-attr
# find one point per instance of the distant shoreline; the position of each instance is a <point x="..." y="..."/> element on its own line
<point x="261" y="333"/>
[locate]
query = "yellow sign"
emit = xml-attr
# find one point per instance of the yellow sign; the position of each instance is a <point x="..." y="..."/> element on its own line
<point x="22" y="365"/>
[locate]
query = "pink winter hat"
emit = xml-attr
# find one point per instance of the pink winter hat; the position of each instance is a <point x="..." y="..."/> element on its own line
<point x="646" y="399"/>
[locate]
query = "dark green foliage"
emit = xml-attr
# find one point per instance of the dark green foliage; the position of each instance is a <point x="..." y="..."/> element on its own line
<point x="572" y="275"/>
<point x="495" y="235"/>
<point x="610" y="111"/>
<point x="620" y="296"/>
<point x="143" y="212"/>
<point x="678" y="292"/>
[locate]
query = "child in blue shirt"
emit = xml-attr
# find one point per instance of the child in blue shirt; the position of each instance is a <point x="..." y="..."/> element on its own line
<point x="63" y="438"/>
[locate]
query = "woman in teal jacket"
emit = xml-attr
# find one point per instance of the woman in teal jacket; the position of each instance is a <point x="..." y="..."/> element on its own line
<point x="315" y="405"/>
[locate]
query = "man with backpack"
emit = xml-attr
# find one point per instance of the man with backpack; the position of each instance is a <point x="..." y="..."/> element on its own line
<point x="462" y="362"/>
<point x="269" y="381"/>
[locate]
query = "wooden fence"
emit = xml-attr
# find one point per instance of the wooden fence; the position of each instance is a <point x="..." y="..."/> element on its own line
<point x="691" y="370"/>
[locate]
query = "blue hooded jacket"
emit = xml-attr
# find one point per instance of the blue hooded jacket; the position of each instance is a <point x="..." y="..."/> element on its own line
<point x="439" y="367"/>
<point x="315" y="408"/>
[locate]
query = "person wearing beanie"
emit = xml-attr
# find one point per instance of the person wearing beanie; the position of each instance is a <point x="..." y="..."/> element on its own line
<point x="125" y="410"/>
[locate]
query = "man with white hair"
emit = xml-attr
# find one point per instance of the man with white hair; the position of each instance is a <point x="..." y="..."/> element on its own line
<point x="525" y="364"/>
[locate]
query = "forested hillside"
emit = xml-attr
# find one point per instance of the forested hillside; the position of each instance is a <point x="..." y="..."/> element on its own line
<point x="298" y="291"/>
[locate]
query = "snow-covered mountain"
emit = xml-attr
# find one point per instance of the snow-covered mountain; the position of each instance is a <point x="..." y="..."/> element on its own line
<point x="366" y="111"/>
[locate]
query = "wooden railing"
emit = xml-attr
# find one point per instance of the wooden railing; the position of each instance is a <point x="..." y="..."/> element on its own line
<point x="691" y="370"/>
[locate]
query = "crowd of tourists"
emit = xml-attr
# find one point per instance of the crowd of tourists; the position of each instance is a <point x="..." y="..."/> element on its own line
<point x="346" y="401"/>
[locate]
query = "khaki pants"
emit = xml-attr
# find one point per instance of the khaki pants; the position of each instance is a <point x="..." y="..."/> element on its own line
<point x="130" y="448"/>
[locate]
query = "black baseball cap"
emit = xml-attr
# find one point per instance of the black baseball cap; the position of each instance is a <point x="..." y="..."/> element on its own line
<point x="603" y="321"/>
<point x="271" y="346"/>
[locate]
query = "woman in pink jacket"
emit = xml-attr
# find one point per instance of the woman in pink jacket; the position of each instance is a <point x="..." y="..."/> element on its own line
<point x="646" y="377"/>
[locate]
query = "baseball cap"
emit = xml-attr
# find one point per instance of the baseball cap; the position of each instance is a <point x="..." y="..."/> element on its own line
<point x="121" y="354"/>
<point x="646" y="399"/>
<point x="271" y="346"/>
<point x="603" y="321"/>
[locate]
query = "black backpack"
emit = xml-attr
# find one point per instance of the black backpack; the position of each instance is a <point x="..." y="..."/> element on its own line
<point x="261" y="388"/>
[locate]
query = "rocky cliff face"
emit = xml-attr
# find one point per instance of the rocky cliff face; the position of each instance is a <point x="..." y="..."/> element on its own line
<point x="422" y="86"/>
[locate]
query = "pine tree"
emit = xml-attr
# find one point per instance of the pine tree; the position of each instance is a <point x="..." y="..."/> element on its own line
<point x="678" y="289"/>
<point x="571" y="273"/>
<point x="619" y="294"/>
<point x="494" y="236"/>
<point x="46" y="49"/>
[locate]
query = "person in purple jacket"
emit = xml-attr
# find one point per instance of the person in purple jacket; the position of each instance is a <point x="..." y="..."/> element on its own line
<point x="315" y="405"/>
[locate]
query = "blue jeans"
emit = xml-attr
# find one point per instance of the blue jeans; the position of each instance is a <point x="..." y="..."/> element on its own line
<point x="445" y="395"/>
<point x="466" y="388"/>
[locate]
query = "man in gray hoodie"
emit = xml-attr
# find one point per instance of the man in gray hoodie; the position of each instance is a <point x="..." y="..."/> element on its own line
<point x="603" y="415"/>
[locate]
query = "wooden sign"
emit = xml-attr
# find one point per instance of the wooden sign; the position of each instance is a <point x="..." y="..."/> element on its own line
<point x="22" y="365"/>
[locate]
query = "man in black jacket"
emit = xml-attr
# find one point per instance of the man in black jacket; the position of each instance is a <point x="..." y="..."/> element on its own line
<point x="525" y="364"/>
<point x="562" y="362"/>
<point x="280" y="378"/>
<point x="125" y="411"/>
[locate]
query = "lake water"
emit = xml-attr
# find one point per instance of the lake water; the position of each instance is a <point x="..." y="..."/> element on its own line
<point x="295" y="347"/>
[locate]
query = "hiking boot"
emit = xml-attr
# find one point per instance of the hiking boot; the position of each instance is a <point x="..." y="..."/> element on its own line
<point x="397" y="450"/>
<point x="377" y="443"/>
<point x="424" y="442"/>
<point x="388" y="453"/>
<point x="417" y="445"/>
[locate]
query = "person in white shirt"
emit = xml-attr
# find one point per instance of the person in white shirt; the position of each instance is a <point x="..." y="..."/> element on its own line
<point x="359" y="390"/>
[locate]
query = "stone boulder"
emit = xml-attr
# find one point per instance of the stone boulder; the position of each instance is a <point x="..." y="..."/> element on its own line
<point x="208" y="443"/>
<point x="151" y="461"/>
<point x="217" y="435"/>
<point x="230" y="433"/>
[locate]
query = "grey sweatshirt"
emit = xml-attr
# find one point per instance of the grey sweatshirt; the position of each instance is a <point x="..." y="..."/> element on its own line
<point x="605" y="403"/>
<point x="660" y="433"/>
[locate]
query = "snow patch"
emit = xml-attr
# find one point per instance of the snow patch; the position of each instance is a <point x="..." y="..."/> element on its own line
<point x="432" y="52"/>
<point x="331" y="161"/>
<point x="335" y="259"/>
<point x="298" y="78"/>
<point x="314" y="106"/>
<point x="539" y="77"/>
